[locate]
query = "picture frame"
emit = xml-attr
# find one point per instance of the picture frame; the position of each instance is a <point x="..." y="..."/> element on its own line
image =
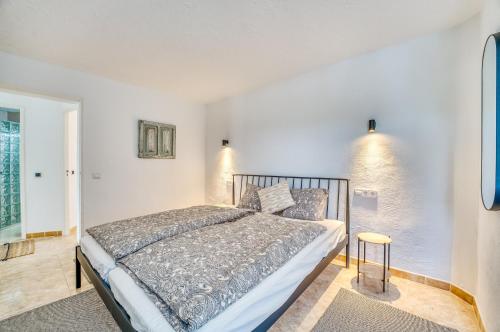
<point x="157" y="140"/>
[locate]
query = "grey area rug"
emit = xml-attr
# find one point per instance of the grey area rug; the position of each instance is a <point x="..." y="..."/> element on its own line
<point x="350" y="312"/>
<point x="16" y="249"/>
<point x="82" y="312"/>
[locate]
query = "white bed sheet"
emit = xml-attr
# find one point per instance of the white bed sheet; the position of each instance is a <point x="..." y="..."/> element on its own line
<point x="249" y="311"/>
<point x="100" y="260"/>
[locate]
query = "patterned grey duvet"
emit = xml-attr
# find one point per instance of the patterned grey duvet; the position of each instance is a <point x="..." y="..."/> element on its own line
<point x="123" y="237"/>
<point x="196" y="275"/>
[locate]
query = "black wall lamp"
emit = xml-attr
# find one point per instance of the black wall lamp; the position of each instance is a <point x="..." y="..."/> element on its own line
<point x="225" y="142"/>
<point x="372" y="125"/>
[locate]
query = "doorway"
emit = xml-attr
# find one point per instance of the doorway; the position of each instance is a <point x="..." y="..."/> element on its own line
<point x="43" y="170"/>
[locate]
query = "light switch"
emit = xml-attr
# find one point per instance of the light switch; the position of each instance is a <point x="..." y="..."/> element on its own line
<point x="96" y="176"/>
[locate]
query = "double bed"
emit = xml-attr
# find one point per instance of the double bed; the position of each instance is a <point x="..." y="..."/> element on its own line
<point x="263" y="303"/>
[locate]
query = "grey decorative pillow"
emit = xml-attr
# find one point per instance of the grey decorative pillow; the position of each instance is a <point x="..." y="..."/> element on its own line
<point x="275" y="198"/>
<point x="250" y="199"/>
<point x="310" y="204"/>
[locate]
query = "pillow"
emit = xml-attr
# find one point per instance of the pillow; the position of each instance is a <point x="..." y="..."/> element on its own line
<point x="310" y="204"/>
<point x="275" y="198"/>
<point x="250" y="199"/>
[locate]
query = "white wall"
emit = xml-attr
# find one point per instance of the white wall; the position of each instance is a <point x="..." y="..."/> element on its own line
<point x="476" y="249"/>
<point x="129" y="186"/>
<point x="488" y="243"/>
<point x="316" y="124"/>
<point x="44" y="153"/>
<point x="467" y="155"/>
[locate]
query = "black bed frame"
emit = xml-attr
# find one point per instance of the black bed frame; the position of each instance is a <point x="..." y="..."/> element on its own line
<point x="336" y="186"/>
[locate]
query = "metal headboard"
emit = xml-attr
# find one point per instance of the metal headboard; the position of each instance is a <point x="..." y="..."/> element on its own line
<point x="338" y="190"/>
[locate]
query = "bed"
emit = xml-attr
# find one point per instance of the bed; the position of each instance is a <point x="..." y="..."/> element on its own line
<point x="261" y="306"/>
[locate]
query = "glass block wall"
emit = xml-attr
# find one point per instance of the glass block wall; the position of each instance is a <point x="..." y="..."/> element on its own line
<point x="10" y="198"/>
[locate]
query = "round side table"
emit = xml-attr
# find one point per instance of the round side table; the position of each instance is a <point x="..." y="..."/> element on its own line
<point x="370" y="269"/>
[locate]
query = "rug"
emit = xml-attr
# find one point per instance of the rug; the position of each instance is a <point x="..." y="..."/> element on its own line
<point x="350" y="312"/>
<point x="81" y="312"/>
<point x="16" y="249"/>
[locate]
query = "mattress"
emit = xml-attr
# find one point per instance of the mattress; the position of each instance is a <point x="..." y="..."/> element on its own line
<point x="249" y="311"/>
<point x="100" y="260"/>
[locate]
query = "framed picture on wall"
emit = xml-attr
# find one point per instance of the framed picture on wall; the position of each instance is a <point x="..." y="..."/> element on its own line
<point x="156" y="140"/>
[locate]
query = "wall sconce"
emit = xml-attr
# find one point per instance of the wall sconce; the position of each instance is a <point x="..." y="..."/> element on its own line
<point x="225" y="142"/>
<point x="372" y="125"/>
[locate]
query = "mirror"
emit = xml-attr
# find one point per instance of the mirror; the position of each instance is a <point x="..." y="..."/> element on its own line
<point x="490" y="117"/>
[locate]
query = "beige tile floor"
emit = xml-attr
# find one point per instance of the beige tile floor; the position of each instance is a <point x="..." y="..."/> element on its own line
<point x="428" y="302"/>
<point x="48" y="275"/>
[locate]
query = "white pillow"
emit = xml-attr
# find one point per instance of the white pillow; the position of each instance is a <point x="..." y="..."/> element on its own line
<point x="275" y="198"/>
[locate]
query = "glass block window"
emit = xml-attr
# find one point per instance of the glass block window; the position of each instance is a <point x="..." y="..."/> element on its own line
<point x="10" y="202"/>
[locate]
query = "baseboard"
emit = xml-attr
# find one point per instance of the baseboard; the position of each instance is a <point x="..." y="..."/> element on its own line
<point x="469" y="298"/>
<point x="408" y="275"/>
<point x="457" y="291"/>
<point x="462" y="294"/>
<point x="43" y="234"/>
<point x="478" y="315"/>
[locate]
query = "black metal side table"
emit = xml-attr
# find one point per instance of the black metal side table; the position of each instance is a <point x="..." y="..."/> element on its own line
<point x="372" y="270"/>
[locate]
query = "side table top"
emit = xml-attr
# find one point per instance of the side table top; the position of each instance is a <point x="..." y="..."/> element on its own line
<point x="374" y="238"/>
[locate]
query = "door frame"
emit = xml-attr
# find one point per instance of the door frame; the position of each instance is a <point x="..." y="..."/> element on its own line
<point x="79" y="157"/>
<point x="67" y="227"/>
<point x="22" y="172"/>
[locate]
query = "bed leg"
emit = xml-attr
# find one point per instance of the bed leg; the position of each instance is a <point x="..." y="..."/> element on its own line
<point x="78" y="270"/>
<point x="347" y="254"/>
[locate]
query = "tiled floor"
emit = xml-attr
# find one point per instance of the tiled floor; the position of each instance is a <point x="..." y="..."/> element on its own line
<point x="10" y="233"/>
<point x="48" y="275"/>
<point x="428" y="302"/>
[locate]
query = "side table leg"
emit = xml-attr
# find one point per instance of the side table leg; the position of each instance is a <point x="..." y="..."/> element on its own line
<point x="389" y="257"/>
<point x="385" y="246"/>
<point x="364" y="252"/>
<point x="358" y="262"/>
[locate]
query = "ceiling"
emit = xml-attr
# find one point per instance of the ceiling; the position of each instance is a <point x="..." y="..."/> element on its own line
<point x="207" y="50"/>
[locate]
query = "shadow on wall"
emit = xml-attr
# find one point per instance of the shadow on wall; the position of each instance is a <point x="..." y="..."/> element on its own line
<point x="224" y="168"/>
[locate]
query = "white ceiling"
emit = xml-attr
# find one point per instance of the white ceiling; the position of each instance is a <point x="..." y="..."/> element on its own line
<point x="206" y="50"/>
